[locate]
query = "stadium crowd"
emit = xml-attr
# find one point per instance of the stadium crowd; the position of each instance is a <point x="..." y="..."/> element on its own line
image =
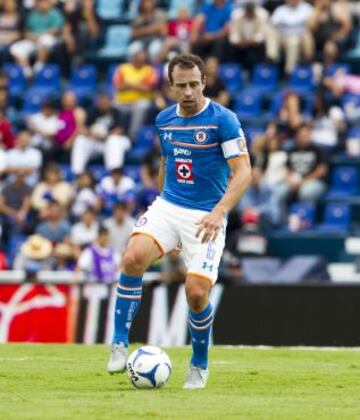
<point x="78" y="151"/>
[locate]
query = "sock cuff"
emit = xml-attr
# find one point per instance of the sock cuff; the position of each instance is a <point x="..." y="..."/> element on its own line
<point x="203" y="316"/>
<point x="131" y="282"/>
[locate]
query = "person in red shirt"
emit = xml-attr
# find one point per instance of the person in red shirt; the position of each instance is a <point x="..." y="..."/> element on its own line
<point x="7" y="139"/>
<point x="178" y="36"/>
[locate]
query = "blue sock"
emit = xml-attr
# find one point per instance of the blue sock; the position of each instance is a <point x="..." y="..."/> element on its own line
<point x="128" y="298"/>
<point x="200" y="326"/>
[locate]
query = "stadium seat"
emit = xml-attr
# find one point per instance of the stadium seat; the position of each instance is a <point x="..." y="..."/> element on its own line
<point x="133" y="171"/>
<point x="247" y="106"/>
<point x="337" y="217"/>
<point x="265" y="77"/>
<point x="345" y="182"/>
<point x="98" y="171"/>
<point x="175" y="5"/>
<point x="33" y="101"/>
<point x="231" y="74"/>
<point x="351" y="104"/>
<point x="117" y="38"/>
<point x="83" y="80"/>
<point x="143" y="143"/>
<point x="305" y="213"/>
<point x="47" y="80"/>
<point x="109" y="10"/>
<point x="16" y="79"/>
<point x="301" y="79"/>
<point x="333" y="68"/>
<point x="66" y="173"/>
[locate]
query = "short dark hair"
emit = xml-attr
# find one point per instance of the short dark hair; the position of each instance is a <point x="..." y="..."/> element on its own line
<point x="186" y="61"/>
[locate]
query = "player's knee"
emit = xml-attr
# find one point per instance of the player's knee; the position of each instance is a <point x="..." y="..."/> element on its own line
<point x="197" y="296"/>
<point x="133" y="262"/>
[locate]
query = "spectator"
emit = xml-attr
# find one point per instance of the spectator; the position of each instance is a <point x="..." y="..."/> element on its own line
<point x="331" y="24"/>
<point x="215" y="88"/>
<point x="53" y="187"/>
<point x="149" y="29"/>
<point x="289" y="116"/>
<point x="328" y="125"/>
<point x="135" y="84"/>
<point x="149" y="174"/>
<point x="82" y="28"/>
<point x="24" y="158"/>
<point x="71" y="121"/>
<point x="247" y="33"/>
<point x="15" y="206"/>
<point x="260" y="204"/>
<point x="85" y="195"/>
<point x="99" y="261"/>
<point x="34" y="255"/>
<point x="7" y="138"/>
<point x="55" y="227"/>
<point x="211" y="28"/>
<point x="43" y="26"/>
<point x="63" y="258"/>
<point x="288" y="30"/>
<point x="104" y="136"/>
<point x="270" y="160"/>
<point x="10" y="26"/>
<point x="178" y="34"/>
<point x="307" y="168"/>
<point x="115" y="188"/>
<point x="84" y="232"/>
<point x="341" y="83"/>
<point x="120" y="226"/>
<point x="44" y="125"/>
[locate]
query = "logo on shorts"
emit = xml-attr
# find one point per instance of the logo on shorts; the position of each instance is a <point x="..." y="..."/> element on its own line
<point x="207" y="266"/>
<point x="141" y="222"/>
<point x="200" y="136"/>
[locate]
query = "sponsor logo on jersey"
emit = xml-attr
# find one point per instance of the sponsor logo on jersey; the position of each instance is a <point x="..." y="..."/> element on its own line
<point x="179" y="151"/>
<point x="184" y="171"/>
<point x="141" y="222"/>
<point x="200" y="136"/>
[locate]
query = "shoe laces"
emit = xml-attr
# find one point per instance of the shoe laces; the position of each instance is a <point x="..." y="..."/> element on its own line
<point x="196" y="373"/>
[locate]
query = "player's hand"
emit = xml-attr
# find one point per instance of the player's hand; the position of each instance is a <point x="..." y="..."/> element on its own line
<point x="209" y="226"/>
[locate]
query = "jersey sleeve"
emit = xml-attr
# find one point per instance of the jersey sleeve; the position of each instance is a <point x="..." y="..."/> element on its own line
<point x="157" y="124"/>
<point x="232" y="138"/>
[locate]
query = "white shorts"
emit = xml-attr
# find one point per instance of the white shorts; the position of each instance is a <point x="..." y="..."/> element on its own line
<point x="169" y="225"/>
<point x="26" y="47"/>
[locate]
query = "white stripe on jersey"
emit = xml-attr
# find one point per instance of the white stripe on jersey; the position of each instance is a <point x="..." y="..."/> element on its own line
<point x="234" y="147"/>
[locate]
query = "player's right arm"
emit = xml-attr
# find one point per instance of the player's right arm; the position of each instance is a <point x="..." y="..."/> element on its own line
<point x="162" y="173"/>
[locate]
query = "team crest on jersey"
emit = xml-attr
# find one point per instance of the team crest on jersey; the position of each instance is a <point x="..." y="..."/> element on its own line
<point x="200" y="136"/>
<point x="184" y="171"/>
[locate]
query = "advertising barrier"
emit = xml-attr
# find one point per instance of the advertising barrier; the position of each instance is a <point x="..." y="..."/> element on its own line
<point x="322" y="315"/>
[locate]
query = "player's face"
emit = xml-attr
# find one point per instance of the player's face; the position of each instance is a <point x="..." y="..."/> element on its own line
<point x="188" y="89"/>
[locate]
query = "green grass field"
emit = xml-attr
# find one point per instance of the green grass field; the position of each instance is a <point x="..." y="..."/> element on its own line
<point x="69" y="382"/>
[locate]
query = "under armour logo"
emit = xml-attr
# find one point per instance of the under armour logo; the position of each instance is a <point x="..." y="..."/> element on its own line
<point x="167" y="136"/>
<point x="207" y="266"/>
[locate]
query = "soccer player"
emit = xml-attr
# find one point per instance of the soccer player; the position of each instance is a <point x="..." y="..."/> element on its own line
<point x="201" y="144"/>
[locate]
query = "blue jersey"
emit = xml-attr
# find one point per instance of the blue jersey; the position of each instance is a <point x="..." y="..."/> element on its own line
<point x="197" y="149"/>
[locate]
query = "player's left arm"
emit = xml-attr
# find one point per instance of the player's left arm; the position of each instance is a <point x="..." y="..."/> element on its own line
<point x="239" y="182"/>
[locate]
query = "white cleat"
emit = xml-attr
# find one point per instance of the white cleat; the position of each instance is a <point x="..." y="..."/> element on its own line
<point x="118" y="357"/>
<point x="196" y="378"/>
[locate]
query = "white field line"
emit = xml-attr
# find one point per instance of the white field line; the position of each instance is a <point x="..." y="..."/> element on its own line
<point x="15" y="359"/>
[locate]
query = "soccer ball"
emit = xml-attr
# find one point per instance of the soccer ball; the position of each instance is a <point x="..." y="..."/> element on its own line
<point x="148" y="367"/>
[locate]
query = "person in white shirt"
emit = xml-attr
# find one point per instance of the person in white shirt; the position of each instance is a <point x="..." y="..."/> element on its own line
<point x="114" y="188"/>
<point x="288" y="31"/>
<point x="85" y="231"/>
<point x="120" y="226"/>
<point x="24" y="158"/>
<point x="44" y="125"/>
